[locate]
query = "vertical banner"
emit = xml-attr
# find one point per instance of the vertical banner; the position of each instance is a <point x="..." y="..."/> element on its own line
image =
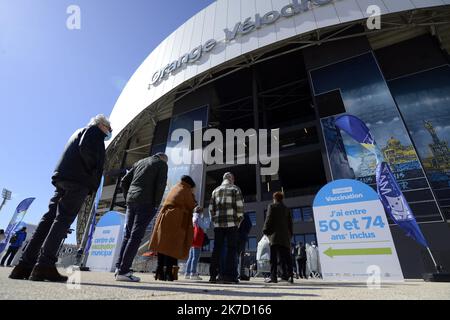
<point x="353" y="234"/>
<point x="389" y="191"/>
<point x="94" y="216"/>
<point x="106" y="242"/>
<point x="17" y="218"/>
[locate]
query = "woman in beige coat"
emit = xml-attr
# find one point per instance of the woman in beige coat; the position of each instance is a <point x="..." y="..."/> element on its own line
<point x="173" y="232"/>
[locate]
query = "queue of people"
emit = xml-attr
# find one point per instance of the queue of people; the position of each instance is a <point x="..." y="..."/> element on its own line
<point x="181" y="225"/>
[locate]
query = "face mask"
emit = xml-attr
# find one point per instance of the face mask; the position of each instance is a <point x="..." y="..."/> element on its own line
<point x="108" y="136"/>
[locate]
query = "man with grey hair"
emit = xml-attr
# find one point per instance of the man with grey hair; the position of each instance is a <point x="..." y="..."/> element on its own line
<point x="227" y="210"/>
<point x="77" y="174"/>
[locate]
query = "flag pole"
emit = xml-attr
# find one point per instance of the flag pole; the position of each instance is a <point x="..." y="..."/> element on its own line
<point x="438" y="269"/>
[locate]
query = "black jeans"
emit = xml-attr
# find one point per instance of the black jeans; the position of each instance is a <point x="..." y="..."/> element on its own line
<point x="166" y="261"/>
<point x="285" y="259"/>
<point x="52" y="229"/>
<point x="11" y="252"/>
<point x="231" y="237"/>
<point x="138" y="218"/>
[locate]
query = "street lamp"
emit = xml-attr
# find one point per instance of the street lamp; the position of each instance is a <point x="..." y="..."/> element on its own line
<point x="6" y="195"/>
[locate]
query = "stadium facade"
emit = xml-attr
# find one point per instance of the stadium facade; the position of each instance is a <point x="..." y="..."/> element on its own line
<point x="295" y="65"/>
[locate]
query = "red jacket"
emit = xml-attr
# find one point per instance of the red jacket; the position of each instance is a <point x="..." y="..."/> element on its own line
<point x="199" y="236"/>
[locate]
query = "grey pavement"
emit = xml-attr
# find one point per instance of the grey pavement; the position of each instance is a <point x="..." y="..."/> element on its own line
<point x="102" y="286"/>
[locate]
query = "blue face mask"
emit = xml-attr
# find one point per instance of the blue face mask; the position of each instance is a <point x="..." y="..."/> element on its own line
<point x="108" y="136"/>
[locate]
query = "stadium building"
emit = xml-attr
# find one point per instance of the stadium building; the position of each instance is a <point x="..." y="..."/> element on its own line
<point x="295" y="65"/>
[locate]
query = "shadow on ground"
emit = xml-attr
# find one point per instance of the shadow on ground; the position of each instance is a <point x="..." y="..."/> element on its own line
<point x="215" y="291"/>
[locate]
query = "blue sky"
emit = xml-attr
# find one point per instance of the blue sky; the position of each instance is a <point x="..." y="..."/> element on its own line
<point x="52" y="79"/>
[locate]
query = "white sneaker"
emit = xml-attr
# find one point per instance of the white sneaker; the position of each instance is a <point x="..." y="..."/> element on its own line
<point x="187" y="277"/>
<point x="196" y="277"/>
<point x="116" y="272"/>
<point x="128" y="277"/>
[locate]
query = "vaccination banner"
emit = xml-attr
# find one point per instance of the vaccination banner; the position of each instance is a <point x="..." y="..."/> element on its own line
<point x="94" y="214"/>
<point x="106" y="242"/>
<point x="353" y="234"/>
<point x="17" y="218"/>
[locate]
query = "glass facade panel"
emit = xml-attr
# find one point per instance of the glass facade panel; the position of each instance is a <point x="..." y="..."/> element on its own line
<point x="252" y="244"/>
<point x="423" y="100"/>
<point x="176" y="170"/>
<point x="310" y="237"/>
<point x="252" y="216"/>
<point x="308" y="214"/>
<point x="299" y="238"/>
<point x="367" y="96"/>
<point x="296" y="214"/>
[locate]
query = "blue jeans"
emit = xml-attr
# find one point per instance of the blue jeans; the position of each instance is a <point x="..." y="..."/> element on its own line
<point x="191" y="264"/>
<point x="139" y="217"/>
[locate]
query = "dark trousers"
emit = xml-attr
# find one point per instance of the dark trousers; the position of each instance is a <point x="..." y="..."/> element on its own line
<point x="138" y="219"/>
<point x="229" y="271"/>
<point x="52" y="229"/>
<point x="241" y="256"/>
<point x="166" y="261"/>
<point x="302" y="267"/>
<point x="285" y="259"/>
<point x="11" y="253"/>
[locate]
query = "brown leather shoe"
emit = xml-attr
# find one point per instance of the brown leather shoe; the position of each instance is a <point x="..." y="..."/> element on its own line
<point x="20" y="272"/>
<point x="51" y="274"/>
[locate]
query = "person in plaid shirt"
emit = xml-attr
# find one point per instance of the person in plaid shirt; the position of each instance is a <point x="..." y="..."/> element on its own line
<point x="227" y="211"/>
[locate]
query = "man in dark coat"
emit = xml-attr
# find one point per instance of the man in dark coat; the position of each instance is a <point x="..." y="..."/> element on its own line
<point x="77" y="175"/>
<point x="278" y="227"/>
<point x="143" y="187"/>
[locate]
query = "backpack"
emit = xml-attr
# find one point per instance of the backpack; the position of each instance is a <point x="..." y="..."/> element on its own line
<point x="13" y="239"/>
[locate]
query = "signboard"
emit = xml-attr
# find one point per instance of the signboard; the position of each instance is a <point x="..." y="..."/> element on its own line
<point x="353" y="234"/>
<point x="241" y="28"/>
<point x="106" y="242"/>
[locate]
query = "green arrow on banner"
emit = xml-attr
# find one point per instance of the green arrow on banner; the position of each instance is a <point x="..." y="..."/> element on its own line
<point x="357" y="252"/>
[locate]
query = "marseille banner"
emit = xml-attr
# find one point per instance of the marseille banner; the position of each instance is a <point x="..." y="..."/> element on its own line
<point x="16" y="219"/>
<point x="389" y="192"/>
<point x="395" y="203"/>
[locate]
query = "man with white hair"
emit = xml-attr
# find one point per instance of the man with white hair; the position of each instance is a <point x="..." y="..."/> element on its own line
<point x="77" y="174"/>
<point x="227" y="210"/>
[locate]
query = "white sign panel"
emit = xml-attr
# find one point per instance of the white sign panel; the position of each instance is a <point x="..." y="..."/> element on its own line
<point x="355" y="242"/>
<point x="106" y="242"/>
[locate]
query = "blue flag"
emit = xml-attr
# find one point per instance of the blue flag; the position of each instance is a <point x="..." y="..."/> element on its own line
<point x="395" y="203"/>
<point x="358" y="130"/>
<point x="389" y="192"/>
<point x="17" y="218"/>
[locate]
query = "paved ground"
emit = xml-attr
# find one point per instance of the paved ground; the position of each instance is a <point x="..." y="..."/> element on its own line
<point x="102" y="286"/>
